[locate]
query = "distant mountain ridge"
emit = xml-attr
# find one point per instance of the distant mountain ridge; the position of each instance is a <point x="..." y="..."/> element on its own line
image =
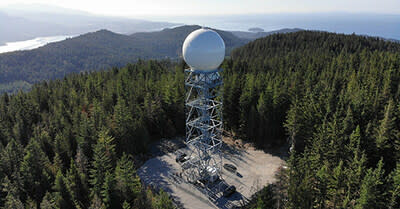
<point x="95" y="51"/>
<point x="100" y="50"/>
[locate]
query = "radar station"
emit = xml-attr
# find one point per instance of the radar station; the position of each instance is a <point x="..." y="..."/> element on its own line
<point x="203" y="50"/>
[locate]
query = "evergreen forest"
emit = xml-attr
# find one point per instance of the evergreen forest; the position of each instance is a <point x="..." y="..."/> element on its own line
<point x="334" y="99"/>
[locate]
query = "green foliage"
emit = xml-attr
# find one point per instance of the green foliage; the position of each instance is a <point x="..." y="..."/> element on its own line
<point x="48" y="202"/>
<point x="387" y="134"/>
<point x="335" y="99"/>
<point x="103" y="157"/>
<point x="12" y="200"/>
<point x="107" y="190"/>
<point x="77" y="186"/>
<point x="162" y="201"/>
<point x="97" y="203"/>
<point x="62" y="195"/>
<point x="370" y="191"/>
<point x="11" y="158"/>
<point x="395" y="188"/>
<point x="127" y="182"/>
<point x="264" y="199"/>
<point x="62" y="144"/>
<point x="35" y="172"/>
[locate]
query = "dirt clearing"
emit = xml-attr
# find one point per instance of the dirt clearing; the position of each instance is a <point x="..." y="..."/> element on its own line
<point x="255" y="169"/>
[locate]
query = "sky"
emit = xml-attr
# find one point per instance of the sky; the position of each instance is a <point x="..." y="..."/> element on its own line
<point x="136" y="8"/>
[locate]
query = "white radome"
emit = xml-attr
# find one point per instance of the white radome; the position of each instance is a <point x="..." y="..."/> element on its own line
<point x="203" y="50"/>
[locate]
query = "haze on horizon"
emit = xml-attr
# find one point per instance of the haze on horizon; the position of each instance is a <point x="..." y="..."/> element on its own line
<point x="32" y="21"/>
<point x="140" y="8"/>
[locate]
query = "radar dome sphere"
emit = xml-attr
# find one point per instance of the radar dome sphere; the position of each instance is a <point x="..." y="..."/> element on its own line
<point x="203" y="50"/>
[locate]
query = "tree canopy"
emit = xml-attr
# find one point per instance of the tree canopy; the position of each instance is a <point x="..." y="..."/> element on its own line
<point x="73" y="142"/>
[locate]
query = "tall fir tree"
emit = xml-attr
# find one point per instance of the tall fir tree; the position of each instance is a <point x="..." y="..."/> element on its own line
<point x="103" y="161"/>
<point x="35" y="172"/>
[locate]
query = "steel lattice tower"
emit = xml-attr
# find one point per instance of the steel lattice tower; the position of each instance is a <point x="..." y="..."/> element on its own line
<point x="203" y="124"/>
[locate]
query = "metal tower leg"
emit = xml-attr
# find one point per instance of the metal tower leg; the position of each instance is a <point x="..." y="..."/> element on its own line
<point x="203" y="124"/>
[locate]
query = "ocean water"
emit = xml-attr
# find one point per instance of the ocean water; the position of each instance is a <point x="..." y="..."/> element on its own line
<point x="30" y="44"/>
<point x="382" y="25"/>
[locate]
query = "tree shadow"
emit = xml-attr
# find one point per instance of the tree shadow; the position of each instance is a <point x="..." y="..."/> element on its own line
<point x="152" y="173"/>
<point x="236" y="200"/>
<point x="239" y="175"/>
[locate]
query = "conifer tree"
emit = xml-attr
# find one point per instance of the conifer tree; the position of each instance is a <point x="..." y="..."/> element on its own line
<point x="48" y="202"/>
<point x="336" y="186"/>
<point x="321" y="187"/>
<point x="370" y="191"/>
<point x="127" y="182"/>
<point x="97" y="203"/>
<point x="35" y="171"/>
<point x="12" y="199"/>
<point x="107" y="191"/>
<point x="11" y="157"/>
<point x="77" y="186"/>
<point x="386" y="135"/>
<point x="163" y="201"/>
<point x="123" y="127"/>
<point x="103" y="157"/>
<point x="355" y="170"/>
<point x="62" y="197"/>
<point x="395" y="188"/>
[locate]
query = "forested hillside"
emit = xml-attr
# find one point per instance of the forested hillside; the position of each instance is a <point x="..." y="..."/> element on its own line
<point x="336" y="99"/>
<point x="92" y="52"/>
<point x="72" y="143"/>
<point x="256" y="35"/>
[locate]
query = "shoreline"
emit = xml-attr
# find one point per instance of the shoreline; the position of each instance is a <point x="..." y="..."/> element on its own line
<point x="31" y="43"/>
